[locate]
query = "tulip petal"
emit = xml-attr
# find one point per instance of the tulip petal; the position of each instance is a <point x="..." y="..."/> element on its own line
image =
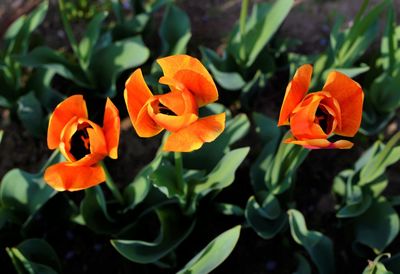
<point x="295" y="92"/>
<point x="320" y="143"/>
<point x="137" y="95"/>
<point x="302" y="122"/>
<point x="74" y="106"/>
<point x="111" y="128"/>
<point x="62" y="176"/>
<point x="194" y="136"/>
<point x="350" y="97"/>
<point x="189" y="72"/>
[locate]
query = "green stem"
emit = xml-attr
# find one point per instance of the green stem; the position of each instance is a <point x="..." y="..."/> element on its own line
<point x="111" y="184"/>
<point x="179" y="172"/>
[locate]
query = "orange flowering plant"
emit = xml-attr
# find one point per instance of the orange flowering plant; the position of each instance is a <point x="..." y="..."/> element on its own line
<point x="313" y="117"/>
<point x="82" y="142"/>
<point x="178" y="110"/>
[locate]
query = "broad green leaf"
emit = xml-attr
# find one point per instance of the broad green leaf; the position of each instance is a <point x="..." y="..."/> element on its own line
<point x="224" y="172"/>
<point x="378" y="226"/>
<point x="303" y="267"/>
<point x="107" y="63"/>
<point x="165" y="179"/>
<point x="95" y="212"/>
<point x="34" y="256"/>
<point x="25" y="193"/>
<point x="318" y="246"/>
<point x="174" y="228"/>
<point x="1" y="135"/>
<point x="52" y="60"/>
<point x="256" y="38"/>
<point x="386" y="157"/>
<point x="352" y="72"/>
<point x="174" y="31"/>
<point x="31" y="114"/>
<point x="376" y="267"/>
<point x="90" y="38"/>
<point x="210" y="154"/>
<point x="214" y="253"/>
<point x="137" y="191"/>
<point x="17" y="35"/>
<point x="383" y="93"/>
<point x="227" y="80"/>
<point x="265" y="227"/>
<point x="356" y="209"/>
<point x="361" y="35"/>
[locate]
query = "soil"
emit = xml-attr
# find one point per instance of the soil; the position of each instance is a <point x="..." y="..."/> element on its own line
<point x="80" y="249"/>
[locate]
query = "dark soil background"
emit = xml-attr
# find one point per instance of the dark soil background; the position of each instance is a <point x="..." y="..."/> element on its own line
<point x="82" y="251"/>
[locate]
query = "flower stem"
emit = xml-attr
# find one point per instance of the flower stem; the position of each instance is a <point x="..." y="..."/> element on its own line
<point x="111" y="185"/>
<point x="179" y="172"/>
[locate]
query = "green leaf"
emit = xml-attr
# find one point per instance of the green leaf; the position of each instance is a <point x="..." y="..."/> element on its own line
<point x="210" y="154"/>
<point x="174" y="31"/>
<point x="229" y="80"/>
<point x="107" y="63"/>
<point x="377" y="166"/>
<point x="137" y="191"/>
<point x="34" y="256"/>
<point x="224" y="172"/>
<point x="303" y="266"/>
<point x="214" y="253"/>
<point x="95" y="212"/>
<point x="318" y="246"/>
<point x="265" y="227"/>
<point x="174" y="228"/>
<point x="31" y="114"/>
<point x="25" y="193"/>
<point x="90" y="38"/>
<point x="356" y="209"/>
<point x="47" y="58"/>
<point x="258" y="36"/>
<point x="352" y="72"/>
<point x="17" y="35"/>
<point x="378" y="226"/>
<point x="360" y="36"/>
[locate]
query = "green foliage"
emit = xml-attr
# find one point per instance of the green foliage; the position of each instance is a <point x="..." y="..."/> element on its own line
<point x="174" y="31"/>
<point x="345" y="47"/>
<point x="271" y="174"/>
<point x="248" y="61"/>
<point x="34" y="256"/>
<point x="214" y="253"/>
<point x="382" y="96"/>
<point x="174" y="228"/>
<point x="25" y="98"/>
<point x="376" y="223"/>
<point x="96" y="63"/>
<point x="22" y="194"/>
<point x="318" y="246"/>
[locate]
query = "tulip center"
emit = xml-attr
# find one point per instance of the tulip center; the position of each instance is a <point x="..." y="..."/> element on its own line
<point x="165" y="110"/>
<point x="80" y="143"/>
<point x="324" y="119"/>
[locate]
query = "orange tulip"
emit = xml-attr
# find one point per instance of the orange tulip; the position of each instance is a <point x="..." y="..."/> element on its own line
<point x="176" y="111"/>
<point x="82" y="142"/>
<point x="313" y="117"/>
